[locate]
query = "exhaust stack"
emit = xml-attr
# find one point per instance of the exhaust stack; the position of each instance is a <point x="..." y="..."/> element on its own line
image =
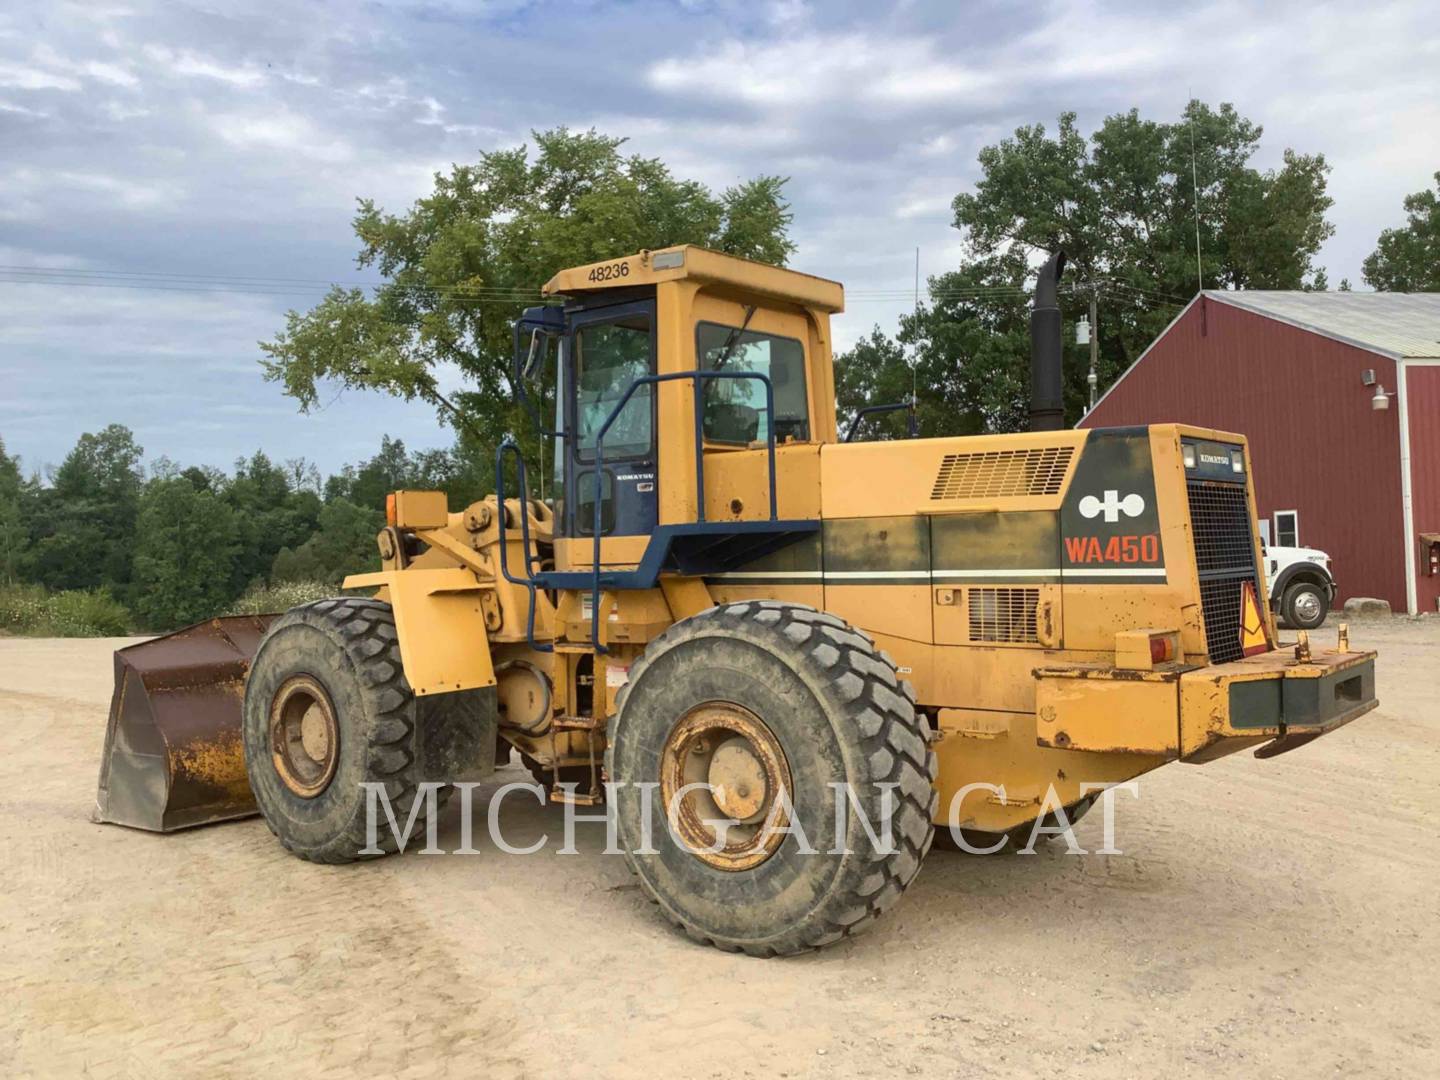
<point x="1047" y="398"/>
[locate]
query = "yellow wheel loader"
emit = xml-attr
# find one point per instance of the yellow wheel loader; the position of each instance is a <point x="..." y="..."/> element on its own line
<point x="734" y="625"/>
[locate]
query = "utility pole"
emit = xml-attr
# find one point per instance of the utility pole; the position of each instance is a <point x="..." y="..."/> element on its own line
<point x="1093" y="378"/>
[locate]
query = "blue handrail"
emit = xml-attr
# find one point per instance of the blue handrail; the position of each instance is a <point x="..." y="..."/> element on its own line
<point x="698" y="378"/>
<point x="509" y="444"/>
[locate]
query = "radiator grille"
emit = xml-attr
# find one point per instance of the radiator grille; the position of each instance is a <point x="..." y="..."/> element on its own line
<point x="1004" y="615"/>
<point x="996" y="474"/>
<point x="1225" y="557"/>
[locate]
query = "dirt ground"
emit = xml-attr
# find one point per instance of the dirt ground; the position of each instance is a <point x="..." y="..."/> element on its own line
<point x="1266" y="919"/>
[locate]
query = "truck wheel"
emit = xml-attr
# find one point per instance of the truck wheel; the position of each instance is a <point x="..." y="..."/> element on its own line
<point x="1304" y="605"/>
<point x="327" y="708"/>
<point x="770" y="704"/>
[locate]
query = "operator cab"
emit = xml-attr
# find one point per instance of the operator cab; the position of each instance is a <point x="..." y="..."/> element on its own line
<point x="587" y="361"/>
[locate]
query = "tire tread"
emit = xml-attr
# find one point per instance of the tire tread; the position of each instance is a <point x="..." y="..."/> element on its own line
<point x="888" y="732"/>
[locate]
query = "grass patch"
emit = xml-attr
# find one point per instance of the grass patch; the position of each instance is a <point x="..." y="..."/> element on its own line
<point x="282" y="596"/>
<point x="31" y="610"/>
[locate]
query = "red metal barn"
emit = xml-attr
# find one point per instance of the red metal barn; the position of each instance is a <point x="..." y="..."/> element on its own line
<point x="1300" y="374"/>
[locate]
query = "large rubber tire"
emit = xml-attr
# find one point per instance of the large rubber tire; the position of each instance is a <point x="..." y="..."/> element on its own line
<point x="840" y="714"/>
<point x="1304" y="605"/>
<point x="350" y="646"/>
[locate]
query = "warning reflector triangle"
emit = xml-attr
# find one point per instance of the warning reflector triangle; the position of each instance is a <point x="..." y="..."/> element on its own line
<point x="1254" y="635"/>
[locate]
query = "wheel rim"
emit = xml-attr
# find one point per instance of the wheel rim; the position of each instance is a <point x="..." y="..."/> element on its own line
<point x="729" y="748"/>
<point x="304" y="737"/>
<point x="1307" y="607"/>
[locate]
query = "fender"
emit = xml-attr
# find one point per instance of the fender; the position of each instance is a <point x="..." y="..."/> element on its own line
<point x="444" y="646"/>
<point x="1301" y="569"/>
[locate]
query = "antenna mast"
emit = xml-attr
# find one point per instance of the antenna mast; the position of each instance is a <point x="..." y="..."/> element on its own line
<point x="1195" y="189"/>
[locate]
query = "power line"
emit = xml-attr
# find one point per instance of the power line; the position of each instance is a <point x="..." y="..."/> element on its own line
<point x="260" y="285"/>
<point x="455" y="294"/>
<point x="68" y="272"/>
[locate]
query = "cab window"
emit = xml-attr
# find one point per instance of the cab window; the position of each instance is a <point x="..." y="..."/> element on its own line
<point x="735" y="408"/>
<point x="609" y="356"/>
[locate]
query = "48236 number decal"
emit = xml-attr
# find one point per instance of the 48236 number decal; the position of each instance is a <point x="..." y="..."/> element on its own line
<point x="610" y="272"/>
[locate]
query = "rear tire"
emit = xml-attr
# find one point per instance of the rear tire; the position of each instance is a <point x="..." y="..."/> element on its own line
<point x="830" y="709"/>
<point x="1304" y="605"/>
<point x="344" y="654"/>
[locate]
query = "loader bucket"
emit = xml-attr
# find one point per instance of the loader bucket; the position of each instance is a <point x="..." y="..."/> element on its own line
<point x="173" y="754"/>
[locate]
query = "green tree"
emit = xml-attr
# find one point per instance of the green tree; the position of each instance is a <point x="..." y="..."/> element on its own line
<point x="1408" y="259"/>
<point x="391" y="469"/>
<point x="463" y="261"/>
<point x="185" y="549"/>
<point x="873" y="371"/>
<point x="14" y="538"/>
<point x="1122" y="205"/>
<point x="269" y="515"/>
<point x="343" y="544"/>
<point x="85" y="520"/>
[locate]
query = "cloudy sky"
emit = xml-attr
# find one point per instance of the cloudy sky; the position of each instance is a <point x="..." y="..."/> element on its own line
<point x="229" y="139"/>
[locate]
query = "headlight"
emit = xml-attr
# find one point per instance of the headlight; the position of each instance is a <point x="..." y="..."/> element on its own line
<point x="1188" y="453"/>
<point x="1237" y="461"/>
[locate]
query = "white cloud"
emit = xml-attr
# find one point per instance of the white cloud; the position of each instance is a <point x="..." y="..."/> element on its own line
<point x="787" y="13"/>
<point x="119" y="111"/>
<point x="924" y="206"/>
<point x="19" y="110"/>
<point x="187" y="63"/>
<point x="281" y="130"/>
<point x="110" y="73"/>
<point x="31" y="186"/>
<point x="821" y="68"/>
<point x="47" y="69"/>
<point x="25" y="77"/>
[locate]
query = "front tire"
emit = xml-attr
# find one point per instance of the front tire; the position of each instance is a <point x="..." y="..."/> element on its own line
<point x="327" y="709"/>
<point x="774" y="696"/>
<point x="1305" y="605"/>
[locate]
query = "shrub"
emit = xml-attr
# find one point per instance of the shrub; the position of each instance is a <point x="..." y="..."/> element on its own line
<point x="87" y="614"/>
<point x="22" y="607"/>
<point x="29" y="609"/>
<point x="282" y="596"/>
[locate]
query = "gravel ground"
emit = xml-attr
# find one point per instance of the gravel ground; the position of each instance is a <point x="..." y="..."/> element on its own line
<point x="1266" y="919"/>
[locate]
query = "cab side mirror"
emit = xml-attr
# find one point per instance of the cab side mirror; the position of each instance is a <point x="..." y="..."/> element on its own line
<point x="535" y="358"/>
<point x="533" y="332"/>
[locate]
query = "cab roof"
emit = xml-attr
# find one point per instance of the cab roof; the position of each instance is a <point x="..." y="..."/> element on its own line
<point x="699" y="264"/>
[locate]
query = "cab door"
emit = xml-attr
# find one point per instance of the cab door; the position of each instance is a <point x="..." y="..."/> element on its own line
<point x="608" y="349"/>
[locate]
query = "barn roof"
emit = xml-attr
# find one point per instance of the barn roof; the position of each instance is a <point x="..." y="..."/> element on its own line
<point x="1398" y="325"/>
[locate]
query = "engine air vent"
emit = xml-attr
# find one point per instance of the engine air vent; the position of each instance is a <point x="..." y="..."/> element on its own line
<point x="1003" y="615"/>
<point x="996" y="474"/>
